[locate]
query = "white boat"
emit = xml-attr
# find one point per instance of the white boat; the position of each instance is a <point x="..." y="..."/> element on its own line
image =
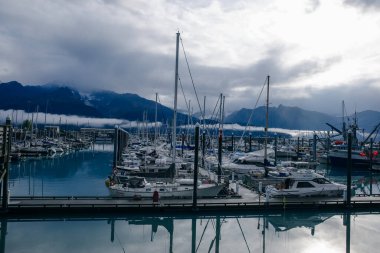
<point x="252" y="162"/>
<point x="138" y="187"/>
<point x="305" y="184"/>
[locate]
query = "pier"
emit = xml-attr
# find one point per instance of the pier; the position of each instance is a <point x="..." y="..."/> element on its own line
<point x="248" y="201"/>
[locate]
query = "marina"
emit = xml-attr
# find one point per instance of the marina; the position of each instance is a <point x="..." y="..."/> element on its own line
<point x="73" y="191"/>
<point x="48" y="186"/>
<point x="189" y="126"/>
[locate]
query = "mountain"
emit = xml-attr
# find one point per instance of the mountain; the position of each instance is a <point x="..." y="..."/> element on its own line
<point x="299" y="119"/>
<point x="368" y="120"/>
<point x="131" y="107"/>
<point x="53" y="99"/>
<point x="56" y="99"/>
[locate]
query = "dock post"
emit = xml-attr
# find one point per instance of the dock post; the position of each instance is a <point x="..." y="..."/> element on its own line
<point x="250" y="142"/>
<point x="349" y="169"/>
<point x="260" y="191"/>
<point x="115" y="149"/>
<point x="203" y="148"/>
<point x="232" y="142"/>
<point x="196" y="153"/>
<point x="3" y="231"/>
<point x="314" y="148"/>
<point x="220" y="155"/>
<point x="5" y="154"/>
<point x="298" y="147"/>
<point x="275" y="150"/>
<point x="370" y="155"/>
<point x="183" y="143"/>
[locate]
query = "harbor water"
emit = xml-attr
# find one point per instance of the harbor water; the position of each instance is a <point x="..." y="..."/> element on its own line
<point x="82" y="173"/>
<point x="78" y="173"/>
<point x="286" y="233"/>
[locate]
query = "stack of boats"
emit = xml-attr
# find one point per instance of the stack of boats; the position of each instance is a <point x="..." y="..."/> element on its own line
<point x="44" y="147"/>
<point x="145" y="170"/>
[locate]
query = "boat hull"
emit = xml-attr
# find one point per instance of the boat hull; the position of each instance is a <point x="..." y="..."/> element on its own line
<point x="329" y="192"/>
<point x="204" y="191"/>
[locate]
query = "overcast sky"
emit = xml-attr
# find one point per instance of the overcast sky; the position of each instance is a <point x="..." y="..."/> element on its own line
<point x="317" y="52"/>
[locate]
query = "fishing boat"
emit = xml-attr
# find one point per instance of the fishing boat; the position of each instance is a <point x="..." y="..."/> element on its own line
<point x="138" y="187"/>
<point x="305" y="184"/>
<point x="359" y="158"/>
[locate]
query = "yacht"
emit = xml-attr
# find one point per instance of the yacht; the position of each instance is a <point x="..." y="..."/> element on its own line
<point x="305" y="183"/>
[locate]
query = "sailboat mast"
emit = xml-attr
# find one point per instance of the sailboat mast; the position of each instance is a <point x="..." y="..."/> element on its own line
<point x="155" y="124"/>
<point x="174" y="135"/>
<point x="266" y="124"/>
<point x="344" y="131"/>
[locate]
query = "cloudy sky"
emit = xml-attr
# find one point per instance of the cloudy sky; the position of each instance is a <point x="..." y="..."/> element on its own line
<point x="317" y="52"/>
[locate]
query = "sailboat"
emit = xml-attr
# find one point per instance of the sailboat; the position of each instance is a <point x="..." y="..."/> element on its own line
<point x="138" y="187"/>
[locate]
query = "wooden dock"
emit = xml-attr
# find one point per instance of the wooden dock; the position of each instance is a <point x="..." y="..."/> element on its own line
<point x="247" y="202"/>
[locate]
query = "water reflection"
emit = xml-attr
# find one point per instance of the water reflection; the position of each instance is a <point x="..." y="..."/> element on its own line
<point x="287" y="232"/>
<point x="79" y="173"/>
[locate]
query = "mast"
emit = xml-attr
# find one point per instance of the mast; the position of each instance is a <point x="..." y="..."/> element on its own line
<point x="266" y="125"/>
<point x="204" y="113"/>
<point x="174" y="136"/>
<point x="155" y="124"/>
<point x="344" y="131"/>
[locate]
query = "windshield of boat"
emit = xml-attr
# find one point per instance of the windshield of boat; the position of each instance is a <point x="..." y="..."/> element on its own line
<point x="321" y="181"/>
<point x="304" y="185"/>
<point x="136" y="182"/>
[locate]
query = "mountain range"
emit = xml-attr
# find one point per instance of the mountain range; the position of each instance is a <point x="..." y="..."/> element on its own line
<point x="56" y="99"/>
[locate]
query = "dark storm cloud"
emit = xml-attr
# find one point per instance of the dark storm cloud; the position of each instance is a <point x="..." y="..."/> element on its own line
<point x="104" y="45"/>
<point x="364" y="4"/>
<point x="85" y="51"/>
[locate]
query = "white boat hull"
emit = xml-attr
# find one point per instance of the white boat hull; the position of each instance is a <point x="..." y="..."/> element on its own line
<point x="186" y="191"/>
<point x="329" y="192"/>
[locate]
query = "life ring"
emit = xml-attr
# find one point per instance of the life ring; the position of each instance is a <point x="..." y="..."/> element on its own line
<point x="112" y="183"/>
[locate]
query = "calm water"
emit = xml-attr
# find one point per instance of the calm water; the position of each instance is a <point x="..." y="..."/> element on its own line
<point x="83" y="173"/>
<point x="289" y="232"/>
<point x="80" y="173"/>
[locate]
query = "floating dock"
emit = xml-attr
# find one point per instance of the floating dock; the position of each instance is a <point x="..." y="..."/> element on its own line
<point x="248" y="201"/>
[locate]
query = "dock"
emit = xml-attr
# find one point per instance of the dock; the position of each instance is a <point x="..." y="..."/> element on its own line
<point x="248" y="201"/>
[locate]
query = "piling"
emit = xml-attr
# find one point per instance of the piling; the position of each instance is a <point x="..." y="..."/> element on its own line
<point x="183" y="143"/>
<point x="4" y="161"/>
<point x="203" y="148"/>
<point x="349" y="169"/>
<point x="314" y="147"/>
<point x="275" y="151"/>
<point x="370" y="155"/>
<point x="220" y="155"/>
<point x="196" y="153"/>
<point x="250" y="142"/>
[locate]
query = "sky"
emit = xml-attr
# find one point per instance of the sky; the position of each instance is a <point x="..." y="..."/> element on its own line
<point x="316" y="52"/>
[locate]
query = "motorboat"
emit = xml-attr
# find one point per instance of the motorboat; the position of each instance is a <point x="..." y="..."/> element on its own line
<point x="305" y="183"/>
<point x="252" y="162"/>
